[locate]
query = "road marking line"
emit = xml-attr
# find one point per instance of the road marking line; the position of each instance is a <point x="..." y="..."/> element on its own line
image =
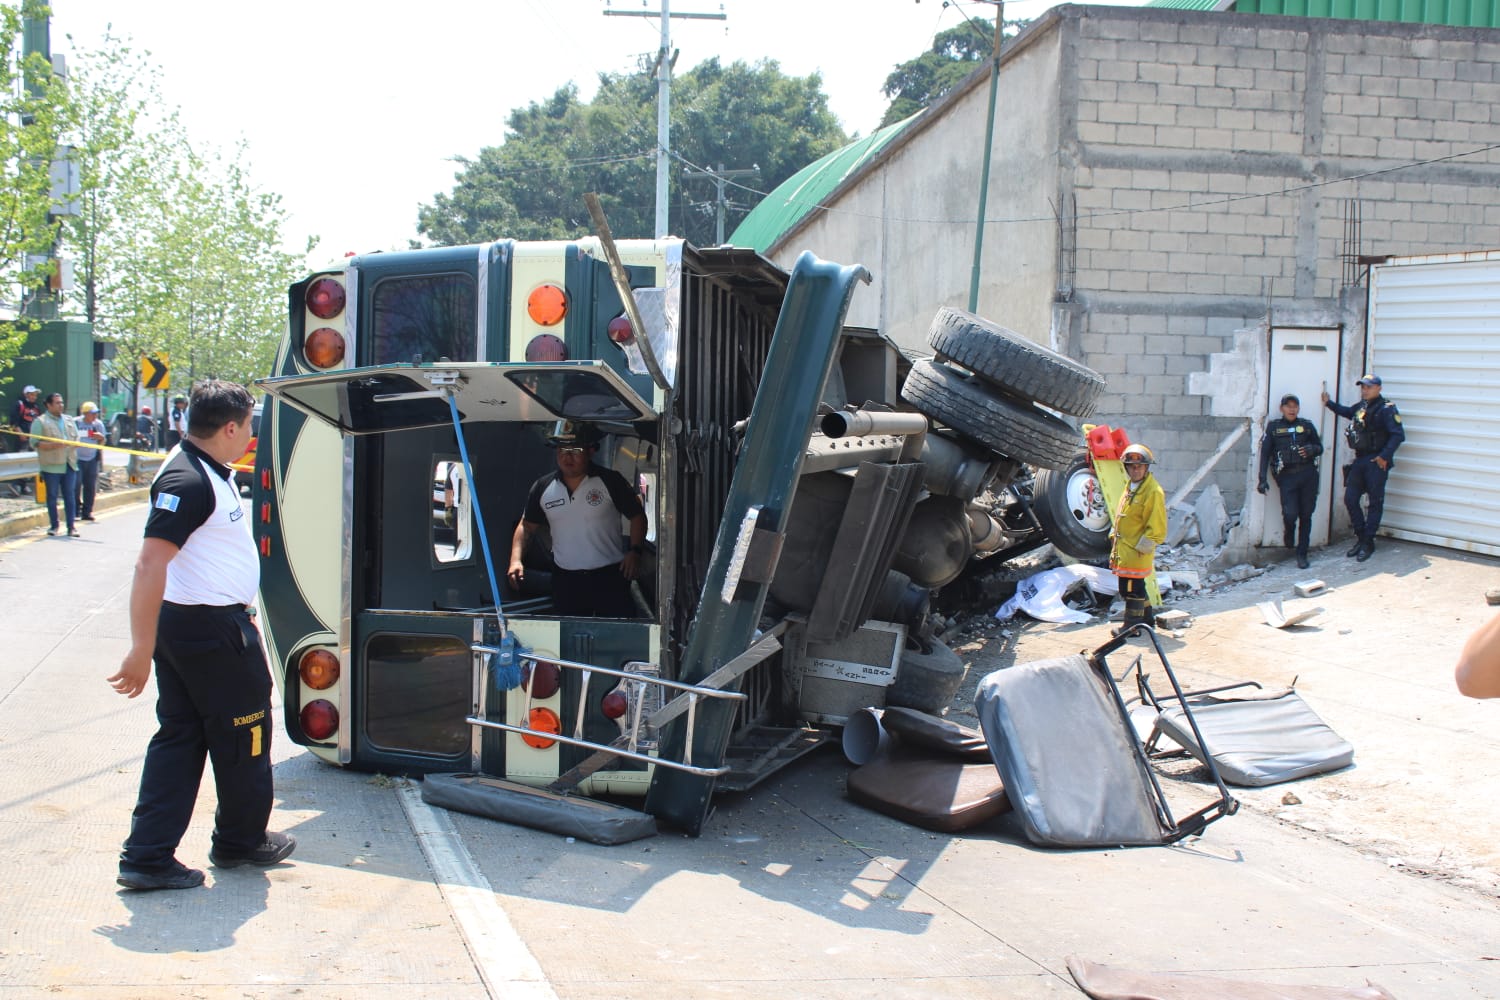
<point x="504" y="962"/>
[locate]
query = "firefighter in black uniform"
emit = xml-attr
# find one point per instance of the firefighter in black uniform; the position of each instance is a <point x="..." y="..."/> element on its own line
<point x="195" y="577"/>
<point x="1374" y="432"/>
<point x="1290" y="448"/>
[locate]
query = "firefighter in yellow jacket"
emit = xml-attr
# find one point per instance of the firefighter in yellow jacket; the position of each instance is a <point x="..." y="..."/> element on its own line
<point x="1140" y="526"/>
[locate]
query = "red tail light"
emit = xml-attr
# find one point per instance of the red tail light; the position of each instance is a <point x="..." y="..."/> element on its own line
<point x="325" y="298"/>
<point x="541" y="679"/>
<point x="620" y="330"/>
<point x="615" y="704"/>
<point x="320" y="719"/>
<point x="265" y="546"/>
<point x="546" y="347"/>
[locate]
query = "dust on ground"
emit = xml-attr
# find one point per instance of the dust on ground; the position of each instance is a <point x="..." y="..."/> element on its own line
<point x="1376" y="664"/>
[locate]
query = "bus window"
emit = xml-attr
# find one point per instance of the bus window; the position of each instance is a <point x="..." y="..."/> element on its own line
<point x="431" y="315"/>
<point x="418" y="693"/>
<point x="452" y="539"/>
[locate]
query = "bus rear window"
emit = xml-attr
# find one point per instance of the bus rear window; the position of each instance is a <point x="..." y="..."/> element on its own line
<point x="431" y="315"/>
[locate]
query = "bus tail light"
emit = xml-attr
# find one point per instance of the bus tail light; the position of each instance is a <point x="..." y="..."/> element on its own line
<point x="320" y="719"/>
<point x="541" y="680"/>
<point x="546" y="347"/>
<point x="543" y="720"/>
<point x="319" y="669"/>
<point x="325" y="298"/>
<point x="547" y="305"/>
<point x="324" y="347"/>
<point x="620" y="330"/>
<point x="615" y="704"/>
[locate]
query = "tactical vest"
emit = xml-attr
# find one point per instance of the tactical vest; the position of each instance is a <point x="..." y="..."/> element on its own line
<point x="1364" y="435"/>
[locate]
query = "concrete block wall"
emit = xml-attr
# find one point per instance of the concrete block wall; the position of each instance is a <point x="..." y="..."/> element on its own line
<point x="1213" y="158"/>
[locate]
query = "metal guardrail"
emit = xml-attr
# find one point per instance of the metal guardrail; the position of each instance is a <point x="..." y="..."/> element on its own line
<point x="19" y="465"/>
<point x="25" y="465"/>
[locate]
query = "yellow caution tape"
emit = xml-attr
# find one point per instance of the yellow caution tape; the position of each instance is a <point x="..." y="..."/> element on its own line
<point x="85" y="444"/>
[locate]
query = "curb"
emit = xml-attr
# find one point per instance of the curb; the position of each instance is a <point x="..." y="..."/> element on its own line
<point x="17" y="524"/>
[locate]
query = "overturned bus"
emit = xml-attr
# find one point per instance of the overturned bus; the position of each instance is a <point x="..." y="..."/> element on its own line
<point x="806" y="487"/>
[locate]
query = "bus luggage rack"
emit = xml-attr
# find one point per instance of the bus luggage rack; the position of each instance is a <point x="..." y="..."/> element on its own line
<point x="643" y="687"/>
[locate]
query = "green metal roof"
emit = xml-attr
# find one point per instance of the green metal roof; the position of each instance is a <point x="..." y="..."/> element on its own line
<point x="800" y="194"/>
<point x="1455" y="13"/>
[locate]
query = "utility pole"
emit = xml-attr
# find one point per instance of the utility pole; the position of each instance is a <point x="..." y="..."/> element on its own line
<point x="663" y="98"/>
<point x="989" y="142"/>
<point x="720" y="176"/>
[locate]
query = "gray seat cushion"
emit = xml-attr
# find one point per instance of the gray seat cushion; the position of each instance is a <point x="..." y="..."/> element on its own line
<point x="1259" y="741"/>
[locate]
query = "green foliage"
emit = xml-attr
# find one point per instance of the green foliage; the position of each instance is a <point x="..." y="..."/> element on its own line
<point x="918" y="82"/>
<point x="178" y="253"/>
<point x="532" y="185"/>
<point x="30" y="121"/>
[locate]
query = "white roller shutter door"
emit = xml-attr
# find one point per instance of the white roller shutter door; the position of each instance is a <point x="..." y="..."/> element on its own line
<point x="1434" y="335"/>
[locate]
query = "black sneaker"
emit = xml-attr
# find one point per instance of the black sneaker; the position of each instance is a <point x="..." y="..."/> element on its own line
<point x="276" y="848"/>
<point x="1366" y="551"/>
<point x="1302" y="562"/>
<point x="1356" y="548"/>
<point x="179" y="876"/>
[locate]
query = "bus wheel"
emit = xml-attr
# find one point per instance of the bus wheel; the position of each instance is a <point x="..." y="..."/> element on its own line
<point x="1016" y="367"/>
<point x="1071" y="507"/>
<point x="1015" y="430"/>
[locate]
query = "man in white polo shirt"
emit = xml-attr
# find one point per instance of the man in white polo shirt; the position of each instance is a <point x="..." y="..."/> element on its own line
<point x="196" y="575"/>
<point x="582" y="503"/>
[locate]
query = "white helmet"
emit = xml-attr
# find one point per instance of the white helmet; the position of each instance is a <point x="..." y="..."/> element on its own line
<point x="1137" y="453"/>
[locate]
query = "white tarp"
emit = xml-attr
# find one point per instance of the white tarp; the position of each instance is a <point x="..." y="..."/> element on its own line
<point x="1041" y="594"/>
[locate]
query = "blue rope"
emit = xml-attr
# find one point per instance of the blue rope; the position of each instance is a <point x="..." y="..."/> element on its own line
<point x="505" y="667"/>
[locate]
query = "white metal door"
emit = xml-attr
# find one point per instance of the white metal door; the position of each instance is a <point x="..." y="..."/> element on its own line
<point x="1303" y="360"/>
<point x="1435" y="342"/>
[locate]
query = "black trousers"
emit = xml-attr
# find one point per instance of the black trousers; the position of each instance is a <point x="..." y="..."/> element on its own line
<point x="1299" y="495"/>
<point x="1137" y="602"/>
<point x="213" y="701"/>
<point x="1368" y="480"/>
<point x="592" y="593"/>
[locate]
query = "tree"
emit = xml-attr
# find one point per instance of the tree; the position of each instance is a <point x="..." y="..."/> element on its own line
<point x="30" y="121"/>
<point x="178" y="251"/>
<point x="531" y="186"/>
<point x="918" y="82"/>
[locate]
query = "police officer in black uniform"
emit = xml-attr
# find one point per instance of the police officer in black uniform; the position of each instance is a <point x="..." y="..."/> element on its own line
<point x="195" y="577"/>
<point x="1290" y="448"/>
<point x="1374" y="432"/>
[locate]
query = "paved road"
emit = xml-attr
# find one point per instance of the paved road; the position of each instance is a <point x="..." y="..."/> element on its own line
<point x="792" y="891"/>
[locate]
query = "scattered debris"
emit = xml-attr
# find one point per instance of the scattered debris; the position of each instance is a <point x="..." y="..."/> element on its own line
<point x="1213" y="519"/>
<point x="1186" y="579"/>
<point x="1296" y="613"/>
<point x="1492" y="596"/>
<point x="1307" y="588"/>
<point x="1290" y="799"/>
<point x="1181" y="525"/>
<point x="1243" y="571"/>
<point x="1173" y="618"/>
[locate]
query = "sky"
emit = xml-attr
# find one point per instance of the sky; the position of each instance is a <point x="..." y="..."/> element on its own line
<point x="354" y="112"/>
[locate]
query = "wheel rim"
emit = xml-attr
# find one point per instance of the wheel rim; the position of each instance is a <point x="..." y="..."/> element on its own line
<point x="1086" y="501"/>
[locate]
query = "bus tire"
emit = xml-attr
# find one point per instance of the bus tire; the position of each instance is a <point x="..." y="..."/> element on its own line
<point x="1014" y="365"/>
<point x="926" y="681"/>
<point x="1013" y="429"/>
<point x="1071" y="508"/>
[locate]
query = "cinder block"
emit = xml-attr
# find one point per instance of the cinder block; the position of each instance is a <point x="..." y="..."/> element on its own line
<point x="1308" y="587"/>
